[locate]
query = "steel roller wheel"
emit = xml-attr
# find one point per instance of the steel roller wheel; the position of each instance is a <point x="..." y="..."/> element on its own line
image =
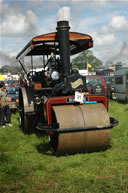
<point x="27" y="116"/>
<point x="86" y="115"/>
<point x="28" y="125"/>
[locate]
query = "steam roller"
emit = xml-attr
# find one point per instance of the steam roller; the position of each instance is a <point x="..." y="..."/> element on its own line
<point x="55" y="102"/>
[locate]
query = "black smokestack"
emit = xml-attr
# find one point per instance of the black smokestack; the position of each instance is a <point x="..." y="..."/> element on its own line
<point x="63" y="36"/>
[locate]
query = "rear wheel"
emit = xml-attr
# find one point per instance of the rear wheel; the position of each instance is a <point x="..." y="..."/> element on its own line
<point x="98" y="89"/>
<point x="27" y="116"/>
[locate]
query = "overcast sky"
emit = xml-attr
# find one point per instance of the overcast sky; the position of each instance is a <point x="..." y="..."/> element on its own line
<point x="105" y="20"/>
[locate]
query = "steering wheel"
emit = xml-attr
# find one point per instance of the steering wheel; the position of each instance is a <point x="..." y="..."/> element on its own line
<point x="30" y="74"/>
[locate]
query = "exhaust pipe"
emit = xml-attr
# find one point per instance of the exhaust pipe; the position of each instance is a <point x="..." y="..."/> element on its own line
<point x="63" y="36"/>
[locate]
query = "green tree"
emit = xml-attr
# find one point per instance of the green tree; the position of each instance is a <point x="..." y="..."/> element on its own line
<point x="119" y="63"/>
<point x="84" y="58"/>
<point x="10" y="68"/>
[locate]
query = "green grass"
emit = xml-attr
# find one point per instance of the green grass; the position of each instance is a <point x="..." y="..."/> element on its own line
<point x="28" y="166"/>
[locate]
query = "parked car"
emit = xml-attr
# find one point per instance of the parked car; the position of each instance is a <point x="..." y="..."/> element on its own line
<point x="10" y="83"/>
<point x="14" y="83"/>
<point x="96" y="84"/>
<point x="13" y="97"/>
<point x="110" y="87"/>
<point x="121" y="84"/>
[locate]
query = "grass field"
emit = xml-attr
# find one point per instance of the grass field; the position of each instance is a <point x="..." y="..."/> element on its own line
<point x="27" y="165"/>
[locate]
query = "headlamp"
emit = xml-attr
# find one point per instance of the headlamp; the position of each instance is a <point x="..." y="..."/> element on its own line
<point x="55" y="75"/>
<point x="37" y="100"/>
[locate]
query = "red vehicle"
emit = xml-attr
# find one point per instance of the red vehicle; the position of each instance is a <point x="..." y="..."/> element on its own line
<point x="96" y="85"/>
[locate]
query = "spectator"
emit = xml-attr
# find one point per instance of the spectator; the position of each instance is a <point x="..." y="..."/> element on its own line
<point x="4" y="107"/>
<point x="22" y="80"/>
<point x="0" y="113"/>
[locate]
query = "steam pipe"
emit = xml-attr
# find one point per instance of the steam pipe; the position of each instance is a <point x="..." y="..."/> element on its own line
<point x="63" y="36"/>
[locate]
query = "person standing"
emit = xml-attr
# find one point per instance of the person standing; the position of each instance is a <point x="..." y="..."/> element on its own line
<point x="0" y="113"/>
<point x="22" y="80"/>
<point x="5" y="110"/>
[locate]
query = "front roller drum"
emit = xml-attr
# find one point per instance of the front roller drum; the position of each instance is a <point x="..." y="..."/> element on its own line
<point x="80" y="116"/>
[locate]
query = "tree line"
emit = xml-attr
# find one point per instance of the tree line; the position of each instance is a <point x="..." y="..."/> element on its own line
<point x="80" y="62"/>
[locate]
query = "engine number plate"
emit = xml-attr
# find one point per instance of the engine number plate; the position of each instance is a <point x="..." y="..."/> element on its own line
<point x="79" y="97"/>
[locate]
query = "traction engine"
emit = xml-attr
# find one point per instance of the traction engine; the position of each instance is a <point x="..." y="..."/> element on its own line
<point x="55" y="100"/>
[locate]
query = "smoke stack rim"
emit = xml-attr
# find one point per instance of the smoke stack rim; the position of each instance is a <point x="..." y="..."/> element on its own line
<point x="63" y="25"/>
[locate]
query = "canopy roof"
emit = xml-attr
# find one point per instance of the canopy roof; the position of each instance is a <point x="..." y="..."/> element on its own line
<point x="47" y="43"/>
